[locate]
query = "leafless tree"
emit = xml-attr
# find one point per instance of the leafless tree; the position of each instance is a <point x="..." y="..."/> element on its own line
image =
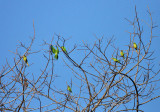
<point x="101" y="84"/>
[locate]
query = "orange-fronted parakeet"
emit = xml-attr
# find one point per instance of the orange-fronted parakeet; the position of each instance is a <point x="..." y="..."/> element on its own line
<point x="52" y="49"/>
<point x="115" y="60"/>
<point x="121" y="53"/>
<point x="56" y="53"/>
<point x="25" y="59"/>
<point x="135" y="46"/>
<point x="69" y="88"/>
<point x="64" y="49"/>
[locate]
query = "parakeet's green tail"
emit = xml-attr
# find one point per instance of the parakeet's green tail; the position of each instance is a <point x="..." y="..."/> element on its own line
<point x="56" y="56"/>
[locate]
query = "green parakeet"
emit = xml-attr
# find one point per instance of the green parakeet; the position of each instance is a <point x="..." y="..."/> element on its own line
<point x="69" y="88"/>
<point x="135" y="46"/>
<point x="64" y="49"/>
<point x="25" y="59"/>
<point x="121" y="53"/>
<point x="52" y="49"/>
<point x="56" y="56"/>
<point x="115" y="60"/>
<point x="56" y="53"/>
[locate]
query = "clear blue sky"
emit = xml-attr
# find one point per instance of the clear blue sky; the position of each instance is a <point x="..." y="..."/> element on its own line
<point x="79" y="19"/>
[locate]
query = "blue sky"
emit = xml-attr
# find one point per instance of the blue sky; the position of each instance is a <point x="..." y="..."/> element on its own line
<point x="79" y="19"/>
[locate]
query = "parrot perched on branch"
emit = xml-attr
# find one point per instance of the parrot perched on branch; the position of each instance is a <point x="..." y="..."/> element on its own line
<point x="135" y="46"/>
<point x="25" y="59"/>
<point x="121" y="53"/>
<point x="115" y="60"/>
<point x="64" y="49"/>
<point x="56" y="53"/>
<point x="52" y="49"/>
<point x="56" y="56"/>
<point x="69" y="88"/>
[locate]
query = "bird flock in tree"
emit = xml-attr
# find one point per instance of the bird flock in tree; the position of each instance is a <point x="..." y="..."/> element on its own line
<point x="122" y="53"/>
<point x="56" y="52"/>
